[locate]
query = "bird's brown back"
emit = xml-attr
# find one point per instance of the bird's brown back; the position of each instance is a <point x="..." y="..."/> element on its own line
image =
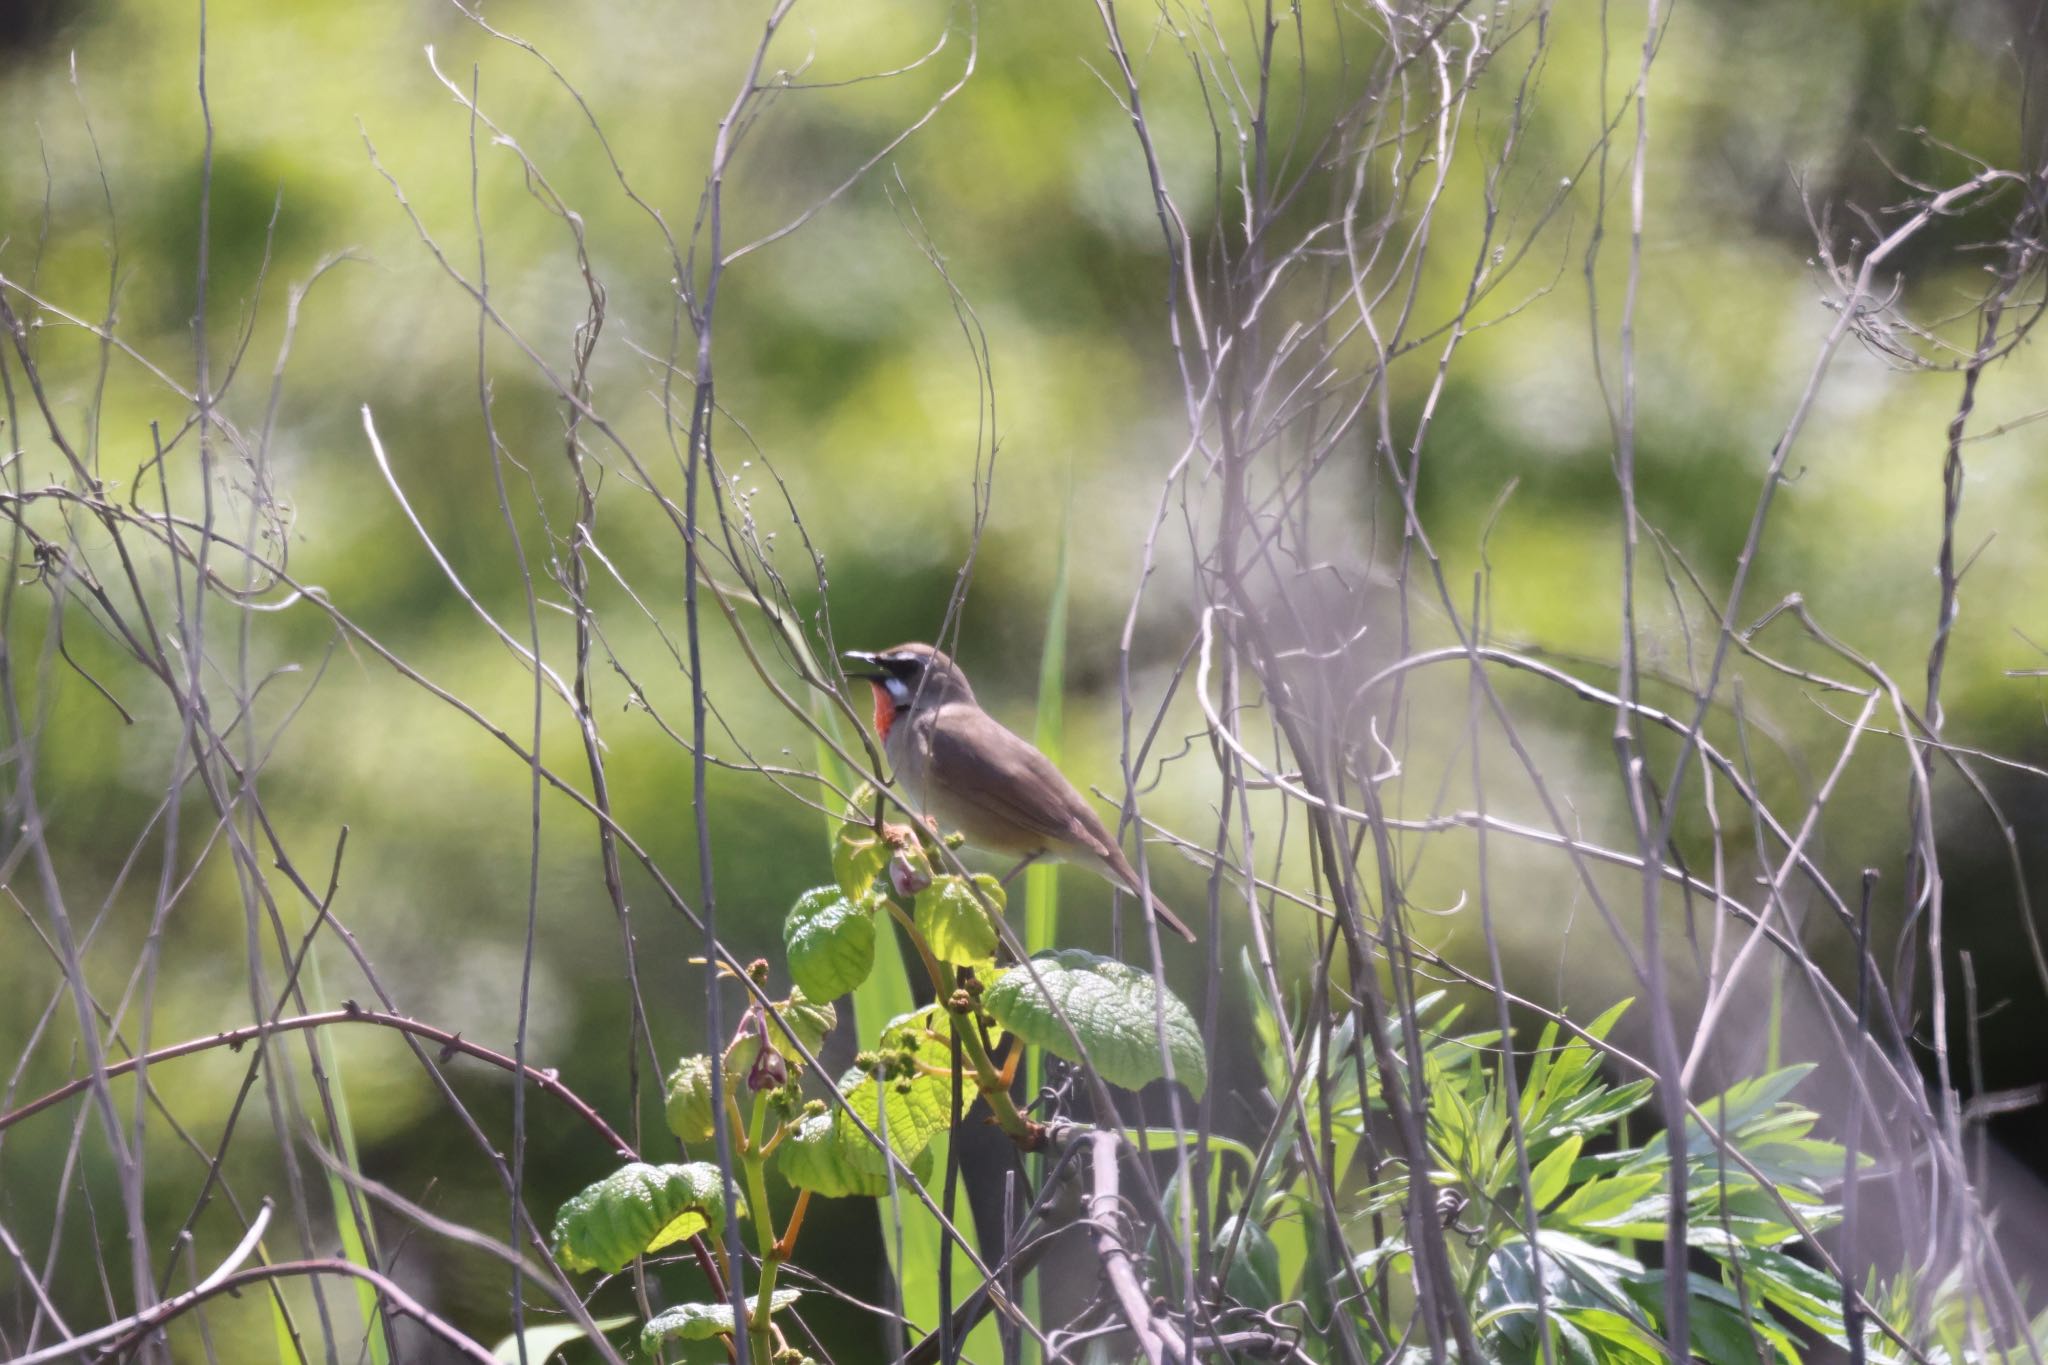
<point x="997" y="781"/>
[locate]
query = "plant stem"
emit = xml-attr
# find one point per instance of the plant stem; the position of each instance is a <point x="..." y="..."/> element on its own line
<point x="989" y="1081"/>
<point x="754" y="1162"/>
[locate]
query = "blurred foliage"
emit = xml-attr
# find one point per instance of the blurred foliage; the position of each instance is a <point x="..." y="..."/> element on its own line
<point x="842" y="362"/>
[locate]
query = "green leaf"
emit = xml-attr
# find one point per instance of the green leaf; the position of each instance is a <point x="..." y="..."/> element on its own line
<point x="1254" y="1276"/>
<point x="858" y="855"/>
<point x="1550" y="1176"/>
<point x="909" y="1105"/>
<point x="703" y="1321"/>
<point x="830" y="942"/>
<point x="1612" y="1199"/>
<point x="954" y="925"/>
<point x="808" y="1019"/>
<point x="1574" y="1274"/>
<point x="1114" y="1009"/>
<point x="542" y="1343"/>
<point x="637" y="1209"/>
<point x="813" y="1159"/>
<point x="1622" y="1338"/>
<point x="688" y="1102"/>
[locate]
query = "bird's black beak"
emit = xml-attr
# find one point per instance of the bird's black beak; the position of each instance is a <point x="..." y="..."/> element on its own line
<point x="873" y="673"/>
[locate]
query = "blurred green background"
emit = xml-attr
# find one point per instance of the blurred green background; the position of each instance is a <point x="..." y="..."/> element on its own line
<point x="842" y="363"/>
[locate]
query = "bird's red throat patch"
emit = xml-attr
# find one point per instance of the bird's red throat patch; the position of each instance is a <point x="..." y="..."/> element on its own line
<point x="885" y="710"/>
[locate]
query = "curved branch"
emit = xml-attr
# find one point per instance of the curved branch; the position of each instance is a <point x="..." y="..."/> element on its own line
<point x="233" y="1039"/>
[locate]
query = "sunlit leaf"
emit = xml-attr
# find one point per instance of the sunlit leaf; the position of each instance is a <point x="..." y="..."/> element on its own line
<point x="1116" y="1011"/>
<point x="813" y="1158"/>
<point x="858" y="854"/>
<point x="909" y="1105"/>
<point x="702" y="1321"/>
<point x="1549" y="1177"/>
<point x="955" y="927"/>
<point x="688" y="1100"/>
<point x="808" y="1019"/>
<point x="637" y="1209"/>
<point x="829" y="941"/>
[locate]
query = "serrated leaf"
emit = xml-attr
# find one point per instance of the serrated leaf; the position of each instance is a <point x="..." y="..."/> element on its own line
<point x="829" y="941"/>
<point x="637" y="1209"/>
<point x="858" y="855"/>
<point x="908" y="1109"/>
<point x="954" y="925"/>
<point x="1114" y="1008"/>
<point x="688" y="1100"/>
<point x="702" y="1321"/>
<point x="812" y="1159"/>
<point x="808" y="1019"/>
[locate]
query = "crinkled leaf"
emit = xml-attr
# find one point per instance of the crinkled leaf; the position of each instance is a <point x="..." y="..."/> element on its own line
<point x="813" y="1159"/>
<point x="858" y="853"/>
<point x="1114" y="1008"/>
<point x="689" y="1100"/>
<point x="702" y="1321"/>
<point x="808" y="1019"/>
<point x="909" y="1109"/>
<point x="830" y="942"/>
<point x="637" y="1209"/>
<point x="953" y="923"/>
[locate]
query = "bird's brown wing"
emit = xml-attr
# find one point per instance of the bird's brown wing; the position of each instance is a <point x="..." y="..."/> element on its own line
<point x="982" y="765"/>
<point x="1002" y="778"/>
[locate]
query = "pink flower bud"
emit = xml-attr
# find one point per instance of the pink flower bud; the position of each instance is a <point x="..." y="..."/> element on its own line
<point x="908" y="872"/>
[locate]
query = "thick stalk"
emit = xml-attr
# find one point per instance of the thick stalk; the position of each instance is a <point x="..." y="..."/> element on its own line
<point x="753" y="1163"/>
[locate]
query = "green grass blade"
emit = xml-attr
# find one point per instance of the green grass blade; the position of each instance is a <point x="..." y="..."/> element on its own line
<point x="1042" y="881"/>
<point x="353" y="1245"/>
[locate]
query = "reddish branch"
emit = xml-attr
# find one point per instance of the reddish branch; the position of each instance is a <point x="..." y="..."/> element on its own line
<point x="234" y="1039"/>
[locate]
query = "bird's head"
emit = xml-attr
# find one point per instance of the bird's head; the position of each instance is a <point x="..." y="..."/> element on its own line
<point x="908" y="678"/>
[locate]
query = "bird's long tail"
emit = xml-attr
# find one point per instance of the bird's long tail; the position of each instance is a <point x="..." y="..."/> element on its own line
<point x="1119" y="870"/>
<point x="1169" y="919"/>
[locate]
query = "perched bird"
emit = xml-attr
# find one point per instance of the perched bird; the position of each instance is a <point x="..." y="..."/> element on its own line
<point x="958" y="765"/>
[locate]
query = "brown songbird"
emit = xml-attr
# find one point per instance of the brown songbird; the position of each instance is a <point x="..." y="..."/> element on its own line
<point x="962" y="768"/>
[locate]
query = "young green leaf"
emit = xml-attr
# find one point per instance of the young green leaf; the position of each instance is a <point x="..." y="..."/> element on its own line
<point x="954" y="925"/>
<point x="1114" y="1009"/>
<point x="813" y="1158"/>
<point x="1614" y="1199"/>
<point x="637" y="1209"/>
<point x="702" y="1321"/>
<point x="689" y="1100"/>
<point x="858" y="854"/>
<point x="908" y="1102"/>
<point x="808" y="1019"/>
<point x="1550" y="1176"/>
<point x="830" y="942"/>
